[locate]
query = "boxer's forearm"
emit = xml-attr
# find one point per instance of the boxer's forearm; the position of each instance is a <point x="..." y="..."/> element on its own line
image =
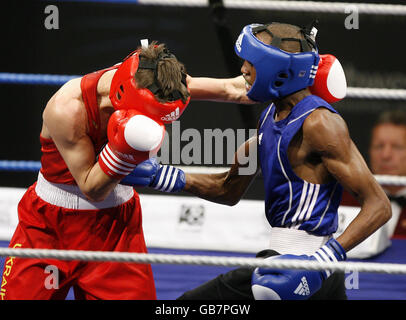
<point x="211" y="187"/>
<point x="96" y="185"/>
<point x="373" y="215"/>
<point x="207" y="186"/>
<point x="224" y="188"/>
<point x="221" y="90"/>
<point x="227" y="187"/>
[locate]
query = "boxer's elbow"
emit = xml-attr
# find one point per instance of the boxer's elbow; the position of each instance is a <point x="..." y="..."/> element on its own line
<point x="218" y="188"/>
<point x="94" y="195"/>
<point x="233" y="202"/>
<point x="230" y="197"/>
<point x="225" y="200"/>
<point x="382" y="210"/>
<point x="234" y="186"/>
<point x="97" y="192"/>
<point x="385" y="210"/>
<point x="229" y="200"/>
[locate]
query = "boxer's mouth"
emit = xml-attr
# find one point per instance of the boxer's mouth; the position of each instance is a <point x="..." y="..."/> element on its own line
<point x="248" y="85"/>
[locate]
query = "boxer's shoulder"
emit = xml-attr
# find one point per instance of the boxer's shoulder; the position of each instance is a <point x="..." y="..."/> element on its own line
<point x="323" y="126"/>
<point x="70" y="90"/>
<point x="68" y="99"/>
<point x="323" y="118"/>
<point x="65" y="111"/>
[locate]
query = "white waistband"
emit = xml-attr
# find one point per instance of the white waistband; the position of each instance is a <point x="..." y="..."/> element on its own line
<point x="293" y="241"/>
<point x="70" y="196"/>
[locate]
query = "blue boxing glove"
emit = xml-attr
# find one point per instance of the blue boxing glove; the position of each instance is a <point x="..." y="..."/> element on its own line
<point x="143" y="174"/>
<point x="280" y="284"/>
<point x="150" y="173"/>
<point x="169" y="179"/>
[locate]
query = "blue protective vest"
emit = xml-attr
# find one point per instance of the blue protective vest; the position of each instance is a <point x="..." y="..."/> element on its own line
<point x="290" y="201"/>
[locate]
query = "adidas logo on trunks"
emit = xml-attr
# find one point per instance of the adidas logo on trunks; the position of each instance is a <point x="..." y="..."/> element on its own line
<point x="303" y="288"/>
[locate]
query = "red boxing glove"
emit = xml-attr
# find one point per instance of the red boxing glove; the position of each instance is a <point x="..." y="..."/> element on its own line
<point x="330" y="83"/>
<point x="133" y="138"/>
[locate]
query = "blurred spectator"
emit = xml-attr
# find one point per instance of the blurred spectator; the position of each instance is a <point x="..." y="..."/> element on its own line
<point x="387" y="154"/>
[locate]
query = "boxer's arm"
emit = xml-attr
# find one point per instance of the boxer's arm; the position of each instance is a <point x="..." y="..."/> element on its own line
<point x="224" y="188"/>
<point x="328" y="135"/>
<point x="228" y="187"/>
<point x="65" y="120"/>
<point x="221" y="90"/>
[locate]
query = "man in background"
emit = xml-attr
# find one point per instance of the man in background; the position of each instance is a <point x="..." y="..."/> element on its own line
<point x="388" y="157"/>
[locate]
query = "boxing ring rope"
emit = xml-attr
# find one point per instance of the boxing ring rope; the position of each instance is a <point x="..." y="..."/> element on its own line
<point x="385" y="268"/>
<point x="49" y="79"/>
<point x="33" y="166"/>
<point x="302" y="6"/>
<point x="35" y="79"/>
<point x="376" y="93"/>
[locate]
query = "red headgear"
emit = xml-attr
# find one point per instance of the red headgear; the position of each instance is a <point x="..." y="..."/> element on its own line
<point x="124" y="93"/>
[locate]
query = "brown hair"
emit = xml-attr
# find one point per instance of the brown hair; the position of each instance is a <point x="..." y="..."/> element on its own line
<point x="169" y="73"/>
<point x="396" y="117"/>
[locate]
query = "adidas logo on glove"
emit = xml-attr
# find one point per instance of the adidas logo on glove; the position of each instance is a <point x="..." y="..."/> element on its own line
<point x="303" y="288"/>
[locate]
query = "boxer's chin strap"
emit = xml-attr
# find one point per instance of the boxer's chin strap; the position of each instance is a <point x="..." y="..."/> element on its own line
<point x="153" y="65"/>
<point x="310" y="33"/>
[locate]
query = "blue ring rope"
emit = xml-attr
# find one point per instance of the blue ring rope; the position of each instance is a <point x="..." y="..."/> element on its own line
<point x="23" y="165"/>
<point x="35" y="79"/>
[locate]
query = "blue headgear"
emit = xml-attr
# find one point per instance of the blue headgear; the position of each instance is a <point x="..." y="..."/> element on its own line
<point x="278" y="73"/>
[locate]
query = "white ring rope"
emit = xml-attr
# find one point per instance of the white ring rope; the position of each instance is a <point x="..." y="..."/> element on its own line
<point x="376" y="93"/>
<point x="303" y="6"/>
<point x="382" y="179"/>
<point x="391" y="180"/>
<point x="387" y="268"/>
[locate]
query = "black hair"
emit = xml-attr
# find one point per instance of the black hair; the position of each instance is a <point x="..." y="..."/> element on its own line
<point x="288" y="37"/>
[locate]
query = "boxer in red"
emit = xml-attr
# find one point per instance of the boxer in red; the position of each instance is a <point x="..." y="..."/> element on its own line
<point x="96" y="129"/>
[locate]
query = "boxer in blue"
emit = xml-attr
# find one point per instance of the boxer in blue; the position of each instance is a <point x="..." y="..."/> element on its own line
<point x="306" y="157"/>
